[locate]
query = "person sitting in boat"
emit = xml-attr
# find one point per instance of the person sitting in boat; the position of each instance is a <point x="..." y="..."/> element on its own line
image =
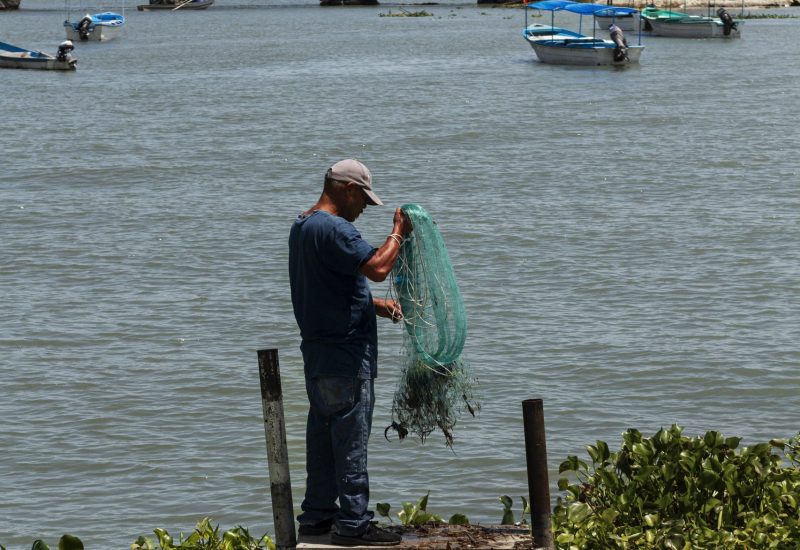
<point x="618" y="37"/>
<point x="83" y="26"/>
<point x="65" y="50"/>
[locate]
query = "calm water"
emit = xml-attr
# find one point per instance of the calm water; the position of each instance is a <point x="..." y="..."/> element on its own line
<point x="627" y="244"/>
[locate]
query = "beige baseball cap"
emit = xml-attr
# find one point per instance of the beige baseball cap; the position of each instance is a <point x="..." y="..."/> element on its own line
<point x="353" y="171"/>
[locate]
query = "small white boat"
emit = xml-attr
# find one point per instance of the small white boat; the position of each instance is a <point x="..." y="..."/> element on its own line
<point x="97" y="27"/>
<point x="560" y="46"/>
<point x="682" y="25"/>
<point x="627" y="21"/>
<point x="14" y="57"/>
<point x="173" y="5"/>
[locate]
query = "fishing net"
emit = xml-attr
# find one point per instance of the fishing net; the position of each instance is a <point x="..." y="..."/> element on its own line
<point x="436" y="384"/>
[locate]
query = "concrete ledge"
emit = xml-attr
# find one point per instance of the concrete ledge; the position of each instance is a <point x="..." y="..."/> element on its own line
<point x="445" y="537"/>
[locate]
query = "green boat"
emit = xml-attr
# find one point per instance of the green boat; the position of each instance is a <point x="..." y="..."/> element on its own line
<point x="683" y="25"/>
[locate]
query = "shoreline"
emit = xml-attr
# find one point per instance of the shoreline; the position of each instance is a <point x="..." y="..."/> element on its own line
<point x="679" y="5"/>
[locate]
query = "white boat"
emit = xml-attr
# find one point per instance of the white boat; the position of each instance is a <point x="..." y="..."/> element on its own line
<point x="97" y="27"/>
<point x="625" y="21"/>
<point x="560" y="46"/>
<point x="14" y="57"/>
<point x="683" y="25"/>
<point x="173" y="5"/>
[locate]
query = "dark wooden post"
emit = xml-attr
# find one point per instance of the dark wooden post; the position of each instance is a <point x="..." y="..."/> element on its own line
<point x="277" y="453"/>
<point x="538" y="483"/>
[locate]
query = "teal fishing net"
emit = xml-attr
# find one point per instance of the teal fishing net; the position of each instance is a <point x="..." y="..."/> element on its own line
<point x="437" y="383"/>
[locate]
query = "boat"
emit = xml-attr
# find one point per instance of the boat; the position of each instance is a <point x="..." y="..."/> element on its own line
<point x="97" y="27"/>
<point x="9" y="4"/>
<point x="14" y="57"/>
<point x="175" y="5"/>
<point x="627" y="21"/>
<point x="561" y="46"/>
<point x="683" y="25"/>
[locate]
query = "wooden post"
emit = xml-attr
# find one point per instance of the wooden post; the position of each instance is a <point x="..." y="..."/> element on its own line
<point x="538" y="484"/>
<point x="277" y="453"/>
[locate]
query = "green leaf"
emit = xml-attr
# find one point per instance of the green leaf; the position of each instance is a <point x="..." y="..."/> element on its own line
<point x="602" y="448"/>
<point x="508" y="517"/>
<point x="565" y="538"/>
<point x="39" y="544"/>
<point x="458" y="519"/>
<point x="507" y="502"/>
<point x="383" y="509"/>
<point x="423" y="502"/>
<point x="594" y="454"/>
<point x="142" y="543"/>
<point x="69" y="542"/>
<point x="651" y="520"/>
<point x="269" y="544"/>
<point x="732" y="442"/>
<point x="526" y="507"/>
<point x="577" y="512"/>
<point x="164" y="540"/>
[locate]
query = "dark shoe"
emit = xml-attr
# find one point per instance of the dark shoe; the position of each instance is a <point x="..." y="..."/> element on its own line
<point x="373" y="536"/>
<point x="315" y="529"/>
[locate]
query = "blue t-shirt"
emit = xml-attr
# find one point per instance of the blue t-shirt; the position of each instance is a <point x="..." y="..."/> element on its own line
<point x="331" y="297"/>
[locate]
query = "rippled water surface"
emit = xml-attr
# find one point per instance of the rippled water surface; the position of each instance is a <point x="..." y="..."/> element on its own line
<point x="626" y="242"/>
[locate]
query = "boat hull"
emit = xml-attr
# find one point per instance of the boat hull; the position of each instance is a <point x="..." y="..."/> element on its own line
<point x="99" y="33"/>
<point x="692" y="27"/>
<point x="195" y="5"/>
<point x="581" y="53"/>
<point x="9" y="4"/>
<point x="14" y="61"/>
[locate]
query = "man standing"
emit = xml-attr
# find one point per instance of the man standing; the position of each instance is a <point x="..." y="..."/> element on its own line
<point x="329" y="264"/>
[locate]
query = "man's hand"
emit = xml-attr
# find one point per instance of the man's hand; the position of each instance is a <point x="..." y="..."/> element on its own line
<point x="389" y="309"/>
<point x="402" y="224"/>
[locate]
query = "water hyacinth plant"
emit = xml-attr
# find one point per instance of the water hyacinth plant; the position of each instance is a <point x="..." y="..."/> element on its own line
<point x="508" y="513"/>
<point x="206" y="537"/>
<point x="677" y="492"/>
<point x="416" y="515"/>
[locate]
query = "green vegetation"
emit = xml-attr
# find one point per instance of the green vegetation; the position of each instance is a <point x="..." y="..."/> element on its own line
<point x="508" y="513"/>
<point x="676" y="492"/>
<point x="416" y="515"/>
<point x="206" y="537"/>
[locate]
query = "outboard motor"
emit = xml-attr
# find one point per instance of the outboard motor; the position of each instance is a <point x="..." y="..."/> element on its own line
<point x="618" y="37"/>
<point x="727" y="21"/>
<point x="65" y="51"/>
<point x="83" y="27"/>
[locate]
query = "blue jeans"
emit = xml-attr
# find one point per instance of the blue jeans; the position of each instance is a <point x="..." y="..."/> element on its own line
<point x="338" y="428"/>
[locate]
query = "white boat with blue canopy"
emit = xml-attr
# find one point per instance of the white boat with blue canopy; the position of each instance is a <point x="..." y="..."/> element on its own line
<point x="561" y="46"/>
<point x="96" y="27"/>
<point x="627" y="19"/>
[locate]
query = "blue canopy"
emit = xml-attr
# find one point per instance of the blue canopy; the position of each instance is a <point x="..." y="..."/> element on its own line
<point x="550" y="5"/>
<point x="596" y="9"/>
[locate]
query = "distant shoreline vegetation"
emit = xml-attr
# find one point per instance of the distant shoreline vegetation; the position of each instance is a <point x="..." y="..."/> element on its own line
<point x="406" y="13"/>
